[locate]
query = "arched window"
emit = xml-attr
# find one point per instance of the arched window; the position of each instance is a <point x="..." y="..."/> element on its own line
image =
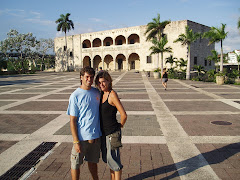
<point x="86" y="44"/>
<point x="120" y="40"/>
<point x="108" y="41"/>
<point x="97" y="42"/>
<point x="133" y="38"/>
<point x="132" y="41"/>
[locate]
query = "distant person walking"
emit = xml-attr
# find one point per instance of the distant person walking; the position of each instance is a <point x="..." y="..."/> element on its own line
<point x="100" y="69"/>
<point x="111" y="129"/>
<point x="83" y="109"/>
<point x="164" y="78"/>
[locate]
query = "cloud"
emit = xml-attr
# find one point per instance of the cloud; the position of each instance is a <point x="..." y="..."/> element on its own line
<point x="13" y="12"/>
<point x="41" y="22"/>
<point x="38" y="20"/>
<point x="95" y="19"/>
<point x="24" y="16"/>
<point x="37" y="14"/>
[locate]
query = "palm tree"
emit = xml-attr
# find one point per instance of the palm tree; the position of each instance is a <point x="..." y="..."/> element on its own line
<point x="170" y="60"/>
<point x="158" y="47"/>
<point x="239" y="23"/>
<point x="199" y="69"/>
<point x="217" y="35"/>
<point x="64" y="25"/>
<point x="155" y="30"/>
<point x="182" y="63"/>
<point x="186" y="39"/>
<point x="214" y="57"/>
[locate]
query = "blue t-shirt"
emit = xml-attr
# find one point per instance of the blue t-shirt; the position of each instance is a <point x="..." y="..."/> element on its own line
<point x="84" y="104"/>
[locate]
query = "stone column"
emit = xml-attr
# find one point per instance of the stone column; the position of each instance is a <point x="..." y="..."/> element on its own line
<point x="92" y="62"/>
<point x="127" y="63"/>
<point x="102" y="62"/>
<point x="114" y="61"/>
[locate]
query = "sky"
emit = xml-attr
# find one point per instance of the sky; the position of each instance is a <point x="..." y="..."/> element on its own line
<point x="39" y="16"/>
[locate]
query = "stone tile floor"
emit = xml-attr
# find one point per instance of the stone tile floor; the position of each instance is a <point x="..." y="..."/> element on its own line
<point x="168" y="135"/>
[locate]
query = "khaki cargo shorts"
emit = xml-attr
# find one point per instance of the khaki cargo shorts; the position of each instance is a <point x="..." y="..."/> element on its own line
<point x="89" y="152"/>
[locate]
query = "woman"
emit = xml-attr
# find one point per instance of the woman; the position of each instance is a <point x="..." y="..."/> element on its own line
<point x="164" y="78"/>
<point x="111" y="129"/>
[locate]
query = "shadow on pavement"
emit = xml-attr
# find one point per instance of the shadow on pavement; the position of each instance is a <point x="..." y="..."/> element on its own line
<point x="5" y="83"/>
<point x="187" y="166"/>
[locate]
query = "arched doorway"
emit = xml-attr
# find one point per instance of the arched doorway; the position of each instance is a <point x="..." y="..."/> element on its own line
<point x="97" y="62"/>
<point x="134" y="61"/>
<point x="86" y="61"/>
<point x="108" y="62"/>
<point x="121" y="62"/>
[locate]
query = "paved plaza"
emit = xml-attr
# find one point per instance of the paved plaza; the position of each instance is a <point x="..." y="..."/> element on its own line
<point x="190" y="131"/>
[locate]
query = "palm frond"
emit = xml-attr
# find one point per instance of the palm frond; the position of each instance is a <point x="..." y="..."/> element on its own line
<point x="155" y="28"/>
<point x="64" y="23"/>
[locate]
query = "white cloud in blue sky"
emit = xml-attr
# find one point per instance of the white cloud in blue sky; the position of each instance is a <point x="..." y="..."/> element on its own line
<point x="39" y="17"/>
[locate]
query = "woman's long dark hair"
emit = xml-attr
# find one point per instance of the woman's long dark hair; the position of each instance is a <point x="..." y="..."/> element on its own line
<point x="106" y="76"/>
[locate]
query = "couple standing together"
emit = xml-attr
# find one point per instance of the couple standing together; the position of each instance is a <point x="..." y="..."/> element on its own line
<point x="94" y="126"/>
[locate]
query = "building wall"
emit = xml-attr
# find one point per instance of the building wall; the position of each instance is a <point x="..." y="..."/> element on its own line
<point x="102" y="49"/>
<point x="200" y="48"/>
<point x="232" y="57"/>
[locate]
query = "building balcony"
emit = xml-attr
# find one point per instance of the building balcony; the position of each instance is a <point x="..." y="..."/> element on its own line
<point x="111" y="48"/>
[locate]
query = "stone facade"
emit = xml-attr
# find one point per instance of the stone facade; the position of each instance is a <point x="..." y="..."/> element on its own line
<point x="127" y="48"/>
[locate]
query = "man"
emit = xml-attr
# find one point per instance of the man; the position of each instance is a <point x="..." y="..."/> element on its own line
<point x="83" y="109"/>
<point x="100" y="69"/>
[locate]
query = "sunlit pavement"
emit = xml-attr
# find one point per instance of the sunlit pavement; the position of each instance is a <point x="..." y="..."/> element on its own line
<point x="189" y="131"/>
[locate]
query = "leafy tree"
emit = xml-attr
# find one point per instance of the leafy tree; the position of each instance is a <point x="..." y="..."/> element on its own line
<point x="158" y="47"/>
<point x="155" y="30"/>
<point x="3" y="63"/>
<point x="64" y="25"/>
<point x="187" y="39"/>
<point x="20" y="44"/>
<point x="43" y="46"/>
<point x="217" y="35"/>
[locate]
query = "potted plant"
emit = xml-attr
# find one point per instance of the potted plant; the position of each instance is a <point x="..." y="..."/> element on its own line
<point x="220" y="77"/>
<point x="156" y="73"/>
<point x="235" y="73"/>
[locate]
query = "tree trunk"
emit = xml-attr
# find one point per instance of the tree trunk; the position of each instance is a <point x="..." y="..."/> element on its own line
<point x="157" y="61"/>
<point x="161" y="63"/>
<point x="188" y="64"/>
<point x="221" y="60"/>
<point x="21" y="57"/>
<point x="66" y="50"/>
<point x="42" y="63"/>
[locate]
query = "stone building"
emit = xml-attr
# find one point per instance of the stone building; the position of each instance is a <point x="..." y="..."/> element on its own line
<point x="127" y="49"/>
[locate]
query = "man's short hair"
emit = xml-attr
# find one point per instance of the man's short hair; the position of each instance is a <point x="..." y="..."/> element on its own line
<point x="88" y="70"/>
